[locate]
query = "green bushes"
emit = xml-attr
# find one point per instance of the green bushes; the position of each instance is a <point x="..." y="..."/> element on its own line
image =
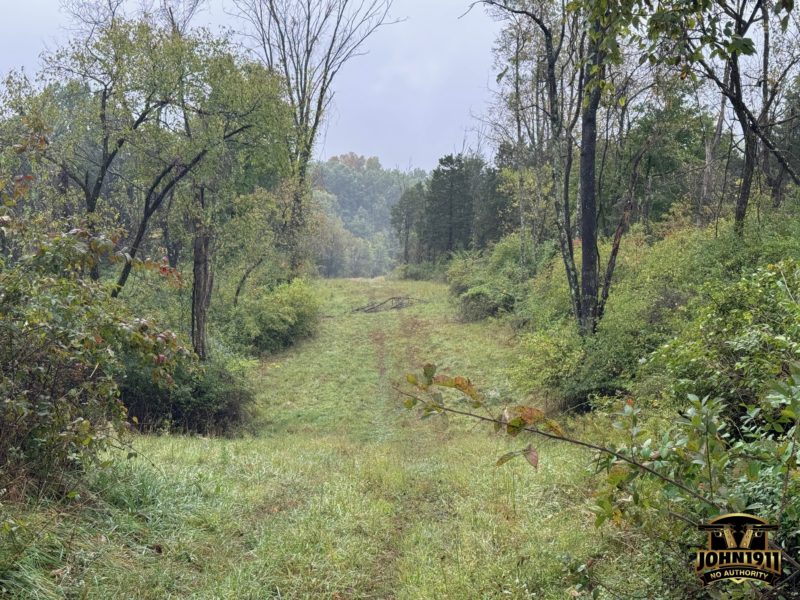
<point x="212" y="397"/>
<point x="547" y="365"/>
<point x="652" y="301"/>
<point x="724" y="462"/>
<point x="744" y="335"/>
<point x="493" y="284"/>
<point x="61" y="336"/>
<point x="76" y="365"/>
<point x="272" y="320"/>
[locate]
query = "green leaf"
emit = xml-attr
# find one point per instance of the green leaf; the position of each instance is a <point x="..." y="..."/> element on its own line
<point x="508" y="456"/>
<point x="429" y="370"/>
<point x="514" y="426"/>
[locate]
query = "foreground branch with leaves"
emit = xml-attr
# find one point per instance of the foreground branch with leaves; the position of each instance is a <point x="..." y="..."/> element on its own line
<point x="700" y="468"/>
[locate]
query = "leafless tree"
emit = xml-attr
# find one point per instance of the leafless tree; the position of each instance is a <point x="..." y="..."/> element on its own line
<point x="307" y="42"/>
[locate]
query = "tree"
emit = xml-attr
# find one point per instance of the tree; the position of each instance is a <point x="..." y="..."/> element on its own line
<point x="718" y="40"/>
<point x="447" y="220"/>
<point x="406" y="215"/>
<point x="175" y="150"/>
<point x="579" y="44"/>
<point x="307" y="42"/>
<point x="238" y="97"/>
<point x="99" y="96"/>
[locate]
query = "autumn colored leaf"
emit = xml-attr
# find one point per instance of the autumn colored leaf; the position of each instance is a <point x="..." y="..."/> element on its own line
<point x="554" y="427"/>
<point x="530" y="414"/>
<point x="532" y="456"/>
<point x="444" y="381"/>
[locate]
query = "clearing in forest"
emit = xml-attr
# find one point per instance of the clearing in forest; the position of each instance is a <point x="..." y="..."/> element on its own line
<point x="339" y="492"/>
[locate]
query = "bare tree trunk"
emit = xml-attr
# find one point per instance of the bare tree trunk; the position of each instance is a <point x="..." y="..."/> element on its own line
<point x="743" y="198"/>
<point x="245" y="276"/>
<point x="296" y="228"/>
<point x="562" y="201"/>
<point x="202" y="280"/>
<point x="173" y="246"/>
<point x="710" y="167"/>
<point x="587" y="319"/>
<point x="774" y="180"/>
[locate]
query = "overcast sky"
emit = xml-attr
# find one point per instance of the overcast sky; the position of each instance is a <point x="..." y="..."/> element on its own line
<point x="410" y="100"/>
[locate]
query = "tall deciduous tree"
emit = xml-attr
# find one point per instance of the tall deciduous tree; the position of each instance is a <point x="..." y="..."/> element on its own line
<point x="307" y="42"/>
<point x="731" y="44"/>
<point x="578" y="45"/>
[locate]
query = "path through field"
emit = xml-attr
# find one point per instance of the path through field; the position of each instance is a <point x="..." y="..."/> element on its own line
<point x="342" y="492"/>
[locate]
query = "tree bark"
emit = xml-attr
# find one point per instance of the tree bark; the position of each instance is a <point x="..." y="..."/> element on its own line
<point x="750" y="146"/>
<point x="711" y="150"/>
<point x="202" y="279"/>
<point x="297" y="223"/>
<point x="743" y="198"/>
<point x="587" y="320"/>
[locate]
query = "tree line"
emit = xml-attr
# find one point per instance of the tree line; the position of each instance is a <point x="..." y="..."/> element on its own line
<point x="613" y="115"/>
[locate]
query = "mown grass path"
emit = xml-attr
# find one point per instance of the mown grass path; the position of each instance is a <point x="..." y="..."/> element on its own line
<point x="340" y="492"/>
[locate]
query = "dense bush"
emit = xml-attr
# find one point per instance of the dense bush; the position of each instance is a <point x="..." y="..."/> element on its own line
<point x="745" y="335"/>
<point x="269" y="321"/>
<point x="212" y="397"/>
<point x="651" y="302"/>
<point x="724" y="462"/>
<point x="493" y="283"/>
<point x="61" y="335"/>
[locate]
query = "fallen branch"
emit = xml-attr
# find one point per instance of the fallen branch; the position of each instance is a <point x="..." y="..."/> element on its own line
<point x="393" y="303"/>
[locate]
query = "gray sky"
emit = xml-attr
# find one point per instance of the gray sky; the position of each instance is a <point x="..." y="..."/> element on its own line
<point x="410" y="100"/>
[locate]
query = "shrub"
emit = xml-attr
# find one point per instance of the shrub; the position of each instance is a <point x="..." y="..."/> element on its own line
<point x="212" y="397"/>
<point x="273" y="320"/>
<point x="745" y="334"/>
<point x="495" y="283"/>
<point x="547" y="364"/>
<point x="652" y="301"/>
<point x="60" y="338"/>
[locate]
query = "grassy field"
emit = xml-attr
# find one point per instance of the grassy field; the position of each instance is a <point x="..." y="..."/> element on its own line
<point x="339" y="493"/>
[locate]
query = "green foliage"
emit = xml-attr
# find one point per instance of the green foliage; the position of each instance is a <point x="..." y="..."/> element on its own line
<point x="548" y="364"/>
<point x="463" y="206"/>
<point x="652" y="300"/>
<point x="339" y="253"/>
<point x="211" y="397"/>
<point x="269" y="321"/>
<point x="711" y="463"/>
<point x="744" y="335"/>
<point x="61" y="338"/>
<point x="494" y="283"/>
<point x="355" y="238"/>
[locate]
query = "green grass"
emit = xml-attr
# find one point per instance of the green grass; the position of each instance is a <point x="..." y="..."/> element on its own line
<point x="342" y="493"/>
